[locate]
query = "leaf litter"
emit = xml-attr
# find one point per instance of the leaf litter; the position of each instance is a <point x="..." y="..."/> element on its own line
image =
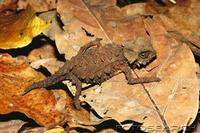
<point x="177" y="95"/>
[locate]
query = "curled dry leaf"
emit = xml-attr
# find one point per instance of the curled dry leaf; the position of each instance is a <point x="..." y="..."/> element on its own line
<point x="86" y="20"/>
<point x="18" y="29"/>
<point x="38" y="5"/>
<point x="47" y="108"/>
<point x="11" y="126"/>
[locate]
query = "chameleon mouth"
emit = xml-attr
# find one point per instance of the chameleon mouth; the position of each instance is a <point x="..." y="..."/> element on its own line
<point x="137" y="64"/>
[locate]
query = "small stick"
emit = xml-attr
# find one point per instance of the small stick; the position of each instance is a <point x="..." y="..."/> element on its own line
<point x="156" y="107"/>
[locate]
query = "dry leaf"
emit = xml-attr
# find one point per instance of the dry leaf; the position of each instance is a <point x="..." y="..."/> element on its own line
<point x="115" y="98"/>
<point x="176" y="20"/>
<point x="183" y="18"/>
<point x="44" y="52"/>
<point x="55" y="130"/>
<point x="17" y="30"/>
<point x="47" y="108"/>
<point x="38" y="5"/>
<point x="134" y="9"/>
<point x="45" y="57"/>
<point x="11" y="126"/>
<point x="52" y="64"/>
<point x="107" y="131"/>
<point x="104" y="20"/>
<point x="54" y="27"/>
<point x="176" y="95"/>
<point x="34" y="130"/>
<point x="8" y="5"/>
<point x="40" y="105"/>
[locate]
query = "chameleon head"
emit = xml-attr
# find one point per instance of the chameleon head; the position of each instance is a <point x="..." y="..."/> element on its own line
<point x="139" y="52"/>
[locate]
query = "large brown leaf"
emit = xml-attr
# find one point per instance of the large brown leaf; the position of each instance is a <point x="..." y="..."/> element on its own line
<point x="86" y="20"/>
<point x="38" y="5"/>
<point x="176" y="95"/>
<point x="175" y="66"/>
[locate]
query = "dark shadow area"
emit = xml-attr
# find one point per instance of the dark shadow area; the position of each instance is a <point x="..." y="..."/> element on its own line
<point x="112" y="124"/>
<point x="191" y="129"/>
<point x="44" y="71"/>
<point x="197" y="59"/>
<point x="62" y="86"/>
<point x="160" y="3"/>
<point x="109" y="124"/>
<point x="122" y="3"/>
<point x="17" y="116"/>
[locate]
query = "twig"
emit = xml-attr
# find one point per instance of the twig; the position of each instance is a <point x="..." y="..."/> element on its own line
<point x="156" y="107"/>
<point x="98" y="23"/>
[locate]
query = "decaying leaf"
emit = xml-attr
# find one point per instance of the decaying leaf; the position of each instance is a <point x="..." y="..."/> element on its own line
<point x="104" y="20"/>
<point x="38" y="5"/>
<point x="177" y="95"/>
<point x="15" y="77"/>
<point x="18" y="29"/>
<point x="11" y="126"/>
<point x="47" y="108"/>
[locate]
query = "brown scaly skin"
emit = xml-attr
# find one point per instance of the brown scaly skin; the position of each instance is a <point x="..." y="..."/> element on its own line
<point x="95" y="64"/>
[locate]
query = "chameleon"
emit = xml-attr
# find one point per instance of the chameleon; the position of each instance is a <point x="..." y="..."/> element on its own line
<point x="96" y="63"/>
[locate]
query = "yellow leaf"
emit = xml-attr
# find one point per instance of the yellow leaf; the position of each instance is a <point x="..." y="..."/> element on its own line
<point x="18" y="29"/>
<point x="55" y="130"/>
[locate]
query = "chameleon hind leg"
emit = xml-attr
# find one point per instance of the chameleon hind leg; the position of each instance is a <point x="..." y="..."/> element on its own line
<point x="78" y="85"/>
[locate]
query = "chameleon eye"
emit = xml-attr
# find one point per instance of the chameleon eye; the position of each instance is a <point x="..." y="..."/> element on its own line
<point x="144" y="55"/>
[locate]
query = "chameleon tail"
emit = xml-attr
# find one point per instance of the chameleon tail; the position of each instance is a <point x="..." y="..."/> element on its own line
<point x="44" y="83"/>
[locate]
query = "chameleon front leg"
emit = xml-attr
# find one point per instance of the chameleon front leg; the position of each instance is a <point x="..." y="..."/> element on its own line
<point x="128" y="74"/>
<point x="78" y="85"/>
